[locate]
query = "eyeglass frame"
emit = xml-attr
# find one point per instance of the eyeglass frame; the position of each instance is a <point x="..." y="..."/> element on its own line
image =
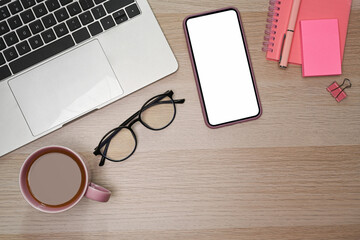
<point x="128" y="123"/>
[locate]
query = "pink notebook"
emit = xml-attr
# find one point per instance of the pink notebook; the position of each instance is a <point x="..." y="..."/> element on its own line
<point x="320" y="46"/>
<point x="278" y="18"/>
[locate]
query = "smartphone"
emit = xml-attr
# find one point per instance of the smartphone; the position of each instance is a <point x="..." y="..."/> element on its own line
<point x="222" y="67"/>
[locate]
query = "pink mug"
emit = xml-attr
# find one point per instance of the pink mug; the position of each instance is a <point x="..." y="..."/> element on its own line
<point x="40" y="170"/>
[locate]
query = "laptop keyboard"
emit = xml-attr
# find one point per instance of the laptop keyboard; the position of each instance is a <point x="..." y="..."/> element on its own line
<point x="32" y="31"/>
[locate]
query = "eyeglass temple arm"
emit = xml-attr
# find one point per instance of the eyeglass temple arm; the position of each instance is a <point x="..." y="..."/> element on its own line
<point x="180" y="101"/>
<point x="177" y="101"/>
<point x="102" y="161"/>
<point x="169" y="92"/>
<point x="126" y="122"/>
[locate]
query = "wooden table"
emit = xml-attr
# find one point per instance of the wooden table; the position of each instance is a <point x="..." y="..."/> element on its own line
<point x="292" y="174"/>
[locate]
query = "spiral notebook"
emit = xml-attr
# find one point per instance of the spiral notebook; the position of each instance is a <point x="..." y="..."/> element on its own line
<point x="278" y="18"/>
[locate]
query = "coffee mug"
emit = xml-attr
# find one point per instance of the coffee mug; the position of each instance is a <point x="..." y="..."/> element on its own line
<point x="54" y="179"/>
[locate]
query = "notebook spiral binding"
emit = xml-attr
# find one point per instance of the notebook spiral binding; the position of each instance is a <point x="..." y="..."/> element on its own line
<point x="270" y="30"/>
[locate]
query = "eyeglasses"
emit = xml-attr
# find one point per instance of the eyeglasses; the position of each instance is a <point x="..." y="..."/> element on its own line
<point x="156" y="114"/>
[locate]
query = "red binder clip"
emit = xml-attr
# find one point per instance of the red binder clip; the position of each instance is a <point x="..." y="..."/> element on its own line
<point x="337" y="92"/>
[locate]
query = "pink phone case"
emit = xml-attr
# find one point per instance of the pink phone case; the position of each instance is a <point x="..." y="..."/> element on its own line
<point x="197" y="79"/>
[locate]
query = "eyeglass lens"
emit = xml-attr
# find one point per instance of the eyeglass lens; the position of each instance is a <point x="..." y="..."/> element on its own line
<point x="121" y="145"/>
<point x="158" y="115"/>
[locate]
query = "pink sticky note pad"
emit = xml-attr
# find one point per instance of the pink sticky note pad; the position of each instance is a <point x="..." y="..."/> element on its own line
<point x="320" y="44"/>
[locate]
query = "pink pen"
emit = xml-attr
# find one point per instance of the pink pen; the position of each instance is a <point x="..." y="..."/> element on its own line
<point x="288" y="36"/>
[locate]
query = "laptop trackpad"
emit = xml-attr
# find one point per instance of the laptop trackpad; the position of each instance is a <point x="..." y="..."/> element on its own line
<point x="65" y="87"/>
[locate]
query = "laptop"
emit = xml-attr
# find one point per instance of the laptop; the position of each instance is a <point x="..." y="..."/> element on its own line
<point x="61" y="59"/>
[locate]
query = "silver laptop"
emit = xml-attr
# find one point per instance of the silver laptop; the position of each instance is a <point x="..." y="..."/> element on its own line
<point x="60" y="59"/>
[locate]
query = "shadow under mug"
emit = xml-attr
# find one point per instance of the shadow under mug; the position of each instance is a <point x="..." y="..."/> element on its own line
<point x="87" y="188"/>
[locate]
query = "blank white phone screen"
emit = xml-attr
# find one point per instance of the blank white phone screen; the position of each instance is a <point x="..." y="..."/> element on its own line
<point x="223" y="68"/>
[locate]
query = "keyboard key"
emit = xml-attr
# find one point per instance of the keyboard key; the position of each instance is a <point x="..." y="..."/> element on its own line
<point x="120" y="16"/>
<point x="61" y="15"/>
<point x="28" y="3"/>
<point x="14" y="22"/>
<point x="4" y="28"/>
<point x="74" y="8"/>
<point x="23" y="48"/>
<point x="40" y="10"/>
<point x="2" y="59"/>
<point x="15" y="7"/>
<point x="36" y="26"/>
<point x="73" y="23"/>
<point x="132" y="10"/>
<point x="11" y="38"/>
<point x="107" y="22"/>
<point x="49" y="20"/>
<point x="36" y="42"/>
<point x="52" y="5"/>
<point x="86" y="18"/>
<point x="61" y="30"/>
<point x="98" y="12"/>
<point x="4" y="72"/>
<point x="10" y="54"/>
<point x="48" y="35"/>
<point x="23" y="32"/>
<point x="113" y="5"/>
<point x="2" y="44"/>
<point x="4" y="13"/>
<point x="27" y="16"/>
<point x="81" y="35"/>
<point x="99" y="1"/>
<point x="64" y="2"/>
<point x="95" y="28"/>
<point x="86" y="4"/>
<point x="41" y="54"/>
<point x="3" y="2"/>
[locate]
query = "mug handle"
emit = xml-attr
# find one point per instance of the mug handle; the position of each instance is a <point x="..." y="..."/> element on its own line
<point x="97" y="193"/>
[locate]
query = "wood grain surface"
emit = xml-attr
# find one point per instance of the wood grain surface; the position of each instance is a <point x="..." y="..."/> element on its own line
<point x="292" y="174"/>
